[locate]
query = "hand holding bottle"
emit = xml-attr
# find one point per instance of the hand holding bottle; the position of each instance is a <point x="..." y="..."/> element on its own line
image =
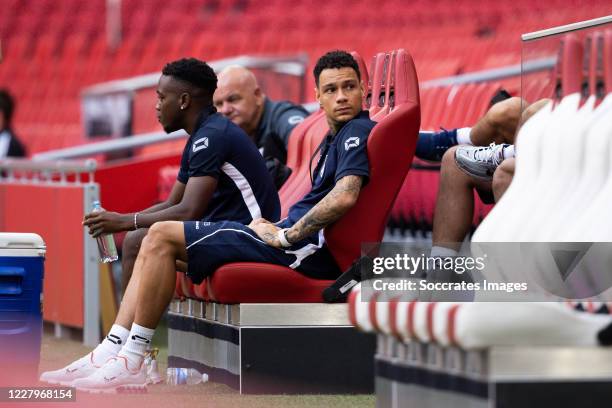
<point x="106" y="242"/>
<point x="105" y="222"/>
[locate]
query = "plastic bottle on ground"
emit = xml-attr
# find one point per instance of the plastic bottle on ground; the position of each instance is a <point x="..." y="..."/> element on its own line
<point x="180" y="376"/>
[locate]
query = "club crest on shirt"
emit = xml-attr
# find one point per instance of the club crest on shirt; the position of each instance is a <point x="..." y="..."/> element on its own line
<point x="200" y="144"/>
<point x="351" y="142"/>
<point x="294" y="120"/>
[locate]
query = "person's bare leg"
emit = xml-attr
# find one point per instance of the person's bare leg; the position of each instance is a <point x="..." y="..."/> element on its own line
<point x="532" y="109"/>
<point x="131" y="246"/>
<point x="454" y="204"/>
<point x="127" y="309"/>
<point x="499" y="124"/>
<point x="502" y="178"/>
<point x="181" y="266"/>
<point x="156" y="274"/>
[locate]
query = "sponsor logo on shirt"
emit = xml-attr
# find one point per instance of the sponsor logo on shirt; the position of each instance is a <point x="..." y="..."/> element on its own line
<point x="294" y="120"/>
<point x="351" y="142"/>
<point x="200" y="144"/>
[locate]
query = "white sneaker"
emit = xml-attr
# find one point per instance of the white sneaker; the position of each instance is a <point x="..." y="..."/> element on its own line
<point x="81" y="368"/>
<point x="478" y="161"/>
<point x="113" y="377"/>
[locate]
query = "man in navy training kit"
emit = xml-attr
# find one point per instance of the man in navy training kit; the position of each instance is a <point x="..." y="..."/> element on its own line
<point x="222" y="175"/>
<point x="268" y="123"/>
<point x="296" y="242"/>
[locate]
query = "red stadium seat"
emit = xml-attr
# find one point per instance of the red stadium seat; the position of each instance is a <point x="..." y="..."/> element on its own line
<point x="390" y="150"/>
<point x="567" y="79"/>
<point x="601" y="65"/>
<point x="364" y="74"/>
<point x="606" y="54"/>
<point x="377" y="73"/>
<point x="384" y="99"/>
<point x="299" y="182"/>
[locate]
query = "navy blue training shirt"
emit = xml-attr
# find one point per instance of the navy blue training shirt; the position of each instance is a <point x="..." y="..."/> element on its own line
<point x="342" y="155"/>
<point x="277" y="122"/>
<point x="272" y="137"/>
<point x="222" y="150"/>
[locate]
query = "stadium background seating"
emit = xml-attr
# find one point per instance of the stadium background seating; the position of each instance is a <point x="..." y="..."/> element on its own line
<point x="53" y="48"/>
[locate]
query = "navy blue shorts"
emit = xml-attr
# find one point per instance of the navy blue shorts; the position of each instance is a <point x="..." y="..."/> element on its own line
<point x="212" y="244"/>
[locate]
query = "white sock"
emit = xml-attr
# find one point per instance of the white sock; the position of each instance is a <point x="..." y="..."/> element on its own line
<point x="112" y="343"/>
<point x="137" y="344"/>
<point x="463" y="136"/>
<point x="442" y="252"/>
<point x="508" y="152"/>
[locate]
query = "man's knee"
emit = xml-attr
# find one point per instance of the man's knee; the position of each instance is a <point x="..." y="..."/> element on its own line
<point x="449" y="171"/>
<point x="448" y="159"/>
<point x="157" y="237"/>
<point x="165" y="236"/>
<point x="533" y="109"/>
<point x="502" y="178"/>
<point x="505" y="115"/>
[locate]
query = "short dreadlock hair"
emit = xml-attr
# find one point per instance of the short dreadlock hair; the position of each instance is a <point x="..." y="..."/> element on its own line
<point x="194" y="71"/>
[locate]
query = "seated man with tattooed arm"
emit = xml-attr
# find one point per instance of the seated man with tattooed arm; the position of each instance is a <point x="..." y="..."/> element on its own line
<point x="296" y="242"/>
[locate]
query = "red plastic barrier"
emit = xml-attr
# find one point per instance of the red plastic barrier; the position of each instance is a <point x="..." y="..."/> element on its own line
<point x="132" y="185"/>
<point x="56" y="214"/>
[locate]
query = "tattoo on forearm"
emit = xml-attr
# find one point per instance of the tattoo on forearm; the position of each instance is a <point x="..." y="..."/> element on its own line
<point x="327" y="210"/>
<point x="267" y="236"/>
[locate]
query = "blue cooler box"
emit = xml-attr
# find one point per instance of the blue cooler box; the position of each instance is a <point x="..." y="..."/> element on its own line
<point x="21" y="276"/>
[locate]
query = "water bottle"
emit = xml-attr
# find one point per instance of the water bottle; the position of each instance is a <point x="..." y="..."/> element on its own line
<point x="106" y="242"/>
<point x="180" y="376"/>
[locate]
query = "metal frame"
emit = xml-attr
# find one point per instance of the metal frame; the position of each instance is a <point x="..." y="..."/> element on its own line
<point x="290" y="65"/>
<point x="493" y="74"/>
<point x="408" y="374"/>
<point x="567" y="28"/>
<point x="91" y="278"/>
<point x="110" y="146"/>
<point x="272" y="348"/>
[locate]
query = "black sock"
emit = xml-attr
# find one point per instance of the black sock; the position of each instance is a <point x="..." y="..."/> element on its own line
<point x="605" y="336"/>
<point x="339" y="290"/>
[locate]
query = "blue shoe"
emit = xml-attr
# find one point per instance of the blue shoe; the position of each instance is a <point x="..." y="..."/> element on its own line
<point x="431" y="146"/>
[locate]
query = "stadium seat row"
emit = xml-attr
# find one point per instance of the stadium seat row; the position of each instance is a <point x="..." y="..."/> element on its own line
<point x="478" y="325"/>
<point x="63" y="42"/>
<point x="563" y="149"/>
<point x="414" y="208"/>
<point x="579" y="122"/>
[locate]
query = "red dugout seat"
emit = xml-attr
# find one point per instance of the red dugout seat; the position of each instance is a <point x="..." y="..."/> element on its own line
<point x="310" y="134"/>
<point x="568" y="80"/>
<point x="390" y="150"/>
<point x="364" y="75"/>
<point x="601" y="65"/>
<point x="378" y="70"/>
